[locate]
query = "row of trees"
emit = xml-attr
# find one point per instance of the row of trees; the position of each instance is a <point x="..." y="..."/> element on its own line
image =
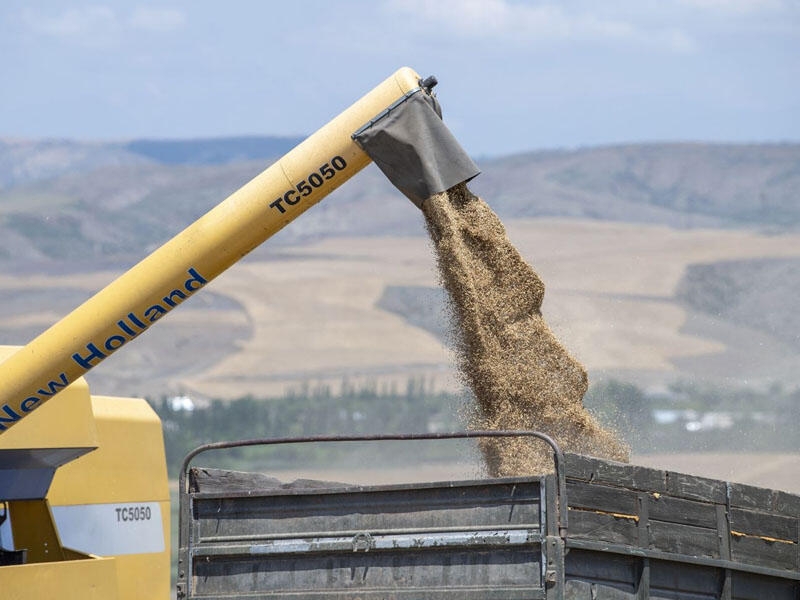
<point x="684" y="417"/>
<point x="309" y="411"/>
<point x="698" y="417"/>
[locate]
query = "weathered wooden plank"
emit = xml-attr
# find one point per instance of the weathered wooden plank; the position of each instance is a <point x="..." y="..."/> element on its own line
<point x="601" y="566"/>
<point x="787" y="504"/>
<point x="594" y="496"/>
<point x="748" y="496"/>
<point x="693" y="487"/>
<point x="600" y="575"/>
<point x="749" y="586"/>
<point x="643" y="585"/>
<point x="684" y="539"/>
<point x="584" y="590"/>
<point x="587" y="468"/>
<point x="679" y="510"/>
<point x="578" y="590"/>
<point x="764" y="524"/>
<point x="757" y="551"/>
<point x="590" y="469"/>
<point x="680" y="580"/>
<point x="605" y="527"/>
<point x="212" y="481"/>
<point x="511" y="572"/>
<point x="501" y="505"/>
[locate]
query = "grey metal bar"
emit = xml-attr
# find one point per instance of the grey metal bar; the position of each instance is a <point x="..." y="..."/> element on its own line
<point x="372" y="541"/>
<point x="221" y="539"/>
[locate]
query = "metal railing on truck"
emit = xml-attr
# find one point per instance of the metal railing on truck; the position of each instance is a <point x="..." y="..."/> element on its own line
<point x="634" y="533"/>
<point x="248" y="535"/>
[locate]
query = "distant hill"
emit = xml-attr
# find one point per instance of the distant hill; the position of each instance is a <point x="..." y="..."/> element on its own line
<point x="111" y="213"/>
<point x="70" y="209"/>
<point x="23" y="162"/>
<point x="115" y="201"/>
<point x="682" y="185"/>
<point x="29" y="161"/>
<point x="212" y="151"/>
<point x="757" y="293"/>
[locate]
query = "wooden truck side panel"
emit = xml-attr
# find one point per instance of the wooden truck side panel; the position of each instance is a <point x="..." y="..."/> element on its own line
<point x="615" y="532"/>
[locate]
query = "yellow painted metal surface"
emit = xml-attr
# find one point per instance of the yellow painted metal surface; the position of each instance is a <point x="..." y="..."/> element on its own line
<point x="144" y="294"/>
<point x="113" y="501"/>
<point x="116" y="489"/>
<point x="89" y="579"/>
<point x="129" y="463"/>
<point x="68" y="423"/>
<point x="33" y="530"/>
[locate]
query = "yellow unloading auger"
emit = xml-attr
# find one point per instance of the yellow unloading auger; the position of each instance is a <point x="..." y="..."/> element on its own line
<point x="398" y="124"/>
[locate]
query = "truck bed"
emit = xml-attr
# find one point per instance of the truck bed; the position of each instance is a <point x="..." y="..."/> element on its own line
<point x="620" y="532"/>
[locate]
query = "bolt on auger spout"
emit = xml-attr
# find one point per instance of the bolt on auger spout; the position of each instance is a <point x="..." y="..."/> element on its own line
<point x="398" y="124"/>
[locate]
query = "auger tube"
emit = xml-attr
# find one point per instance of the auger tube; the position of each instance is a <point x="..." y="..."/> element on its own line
<point x="141" y="296"/>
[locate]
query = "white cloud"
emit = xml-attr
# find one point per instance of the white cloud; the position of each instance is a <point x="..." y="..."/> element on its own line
<point x="736" y="6"/>
<point x="504" y="20"/>
<point x="156" y="19"/>
<point x="101" y="25"/>
<point x="73" y="22"/>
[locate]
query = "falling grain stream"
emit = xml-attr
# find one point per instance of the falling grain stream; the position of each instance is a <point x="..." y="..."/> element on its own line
<point x="520" y="375"/>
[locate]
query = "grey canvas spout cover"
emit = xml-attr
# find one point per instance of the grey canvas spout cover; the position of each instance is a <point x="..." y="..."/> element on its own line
<point x="414" y="148"/>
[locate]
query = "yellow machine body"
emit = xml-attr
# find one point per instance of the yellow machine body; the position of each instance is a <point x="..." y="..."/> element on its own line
<point x="115" y="501"/>
<point x="94" y="579"/>
<point x="101" y="526"/>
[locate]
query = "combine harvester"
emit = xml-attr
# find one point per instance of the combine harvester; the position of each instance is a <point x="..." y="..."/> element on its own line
<point x="84" y="499"/>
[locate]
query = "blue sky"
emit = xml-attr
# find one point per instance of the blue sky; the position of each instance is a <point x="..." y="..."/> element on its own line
<point x="514" y="75"/>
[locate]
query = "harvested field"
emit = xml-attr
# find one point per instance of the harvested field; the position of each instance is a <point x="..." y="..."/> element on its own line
<point x="308" y="314"/>
<point x="634" y="329"/>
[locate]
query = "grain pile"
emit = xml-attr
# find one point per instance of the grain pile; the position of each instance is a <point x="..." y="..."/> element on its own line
<point x="520" y="375"/>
